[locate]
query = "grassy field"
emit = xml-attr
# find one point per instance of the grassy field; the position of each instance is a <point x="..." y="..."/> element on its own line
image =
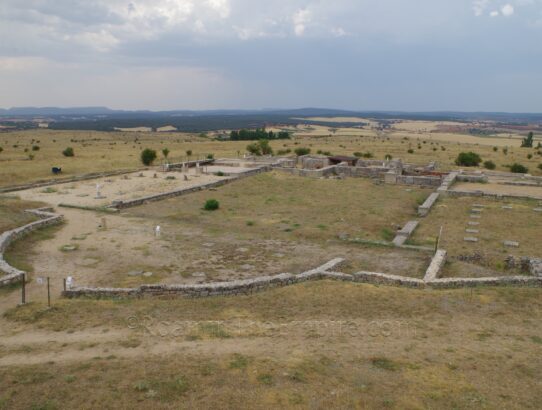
<point x="267" y="224"/>
<point x="106" y="151"/>
<point x="496" y="225"/>
<point x="315" y="345"/>
<point x="312" y="345"/>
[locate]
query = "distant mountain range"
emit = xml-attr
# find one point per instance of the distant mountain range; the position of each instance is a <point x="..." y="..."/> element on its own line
<point x="299" y="112"/>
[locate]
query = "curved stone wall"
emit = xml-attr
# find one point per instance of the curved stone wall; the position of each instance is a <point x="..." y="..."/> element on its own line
<point x="48" y="218"/>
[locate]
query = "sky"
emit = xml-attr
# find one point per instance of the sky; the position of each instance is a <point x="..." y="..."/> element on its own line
<point x="423" y="55"/>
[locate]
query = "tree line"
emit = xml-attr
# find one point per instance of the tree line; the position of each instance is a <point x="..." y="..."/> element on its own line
<point x="258" y="134"/>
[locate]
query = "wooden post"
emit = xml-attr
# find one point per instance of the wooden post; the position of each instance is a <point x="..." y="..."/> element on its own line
<point x="48" y="293"/>
<point x="23" y="290"/>
<point x="64" y="284"/>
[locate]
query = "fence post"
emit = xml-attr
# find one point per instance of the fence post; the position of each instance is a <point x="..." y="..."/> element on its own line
<point x="23" y="290"/>
<point x="48" y="293"/>
<point x="64" y="284"/>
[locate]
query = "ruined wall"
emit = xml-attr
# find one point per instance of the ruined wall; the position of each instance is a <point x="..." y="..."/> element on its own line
<point x="13" y="274"/>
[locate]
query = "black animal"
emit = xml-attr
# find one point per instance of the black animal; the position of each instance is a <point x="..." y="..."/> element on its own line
<point x="56" y="170"/>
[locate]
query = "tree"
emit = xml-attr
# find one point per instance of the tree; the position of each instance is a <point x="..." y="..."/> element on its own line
<point x="302" y="151"/>
<point x="254" y="149"/>
<point x="165" y="152"/>
<point x="265" y="147"/>
<point x="148" y="156"/>
<point x="528" y="141"/>
<point x="518" y="169"/>
<point x="68" y="152"/>
<point x="489" y="165"/>
<point x="468" y="159"/>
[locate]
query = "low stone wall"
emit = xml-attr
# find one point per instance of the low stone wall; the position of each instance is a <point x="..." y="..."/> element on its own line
<point x="310" y="173"/>
<point x="236" y="287"/>
<point x="184" y="191"/>
<point x="449" y="283"/>
<point x="424" y="209"/>
<point x="189" y="164"/>
<point x="490" y="195"/>
<point x="405" y="233"/>
<point x="477" y="178"/>
<point x="44" y="183"/>
<point x="448" y="181"/>
<point x="13" y="274"/>
<point x="427" y="181"/>
<point x="438" y="261"/>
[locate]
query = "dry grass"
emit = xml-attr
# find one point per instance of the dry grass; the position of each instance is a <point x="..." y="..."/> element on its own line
<point x="496" y="225"/>
<point x="105" y="151"/>
<point x="438" y="358"/>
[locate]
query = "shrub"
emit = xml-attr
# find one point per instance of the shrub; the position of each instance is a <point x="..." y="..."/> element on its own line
<point x="210" y="156"/>
<point x="489" y="165"/>
<point x="254" y="149"/>
<point x="189" y="153"/>
<point x="518" y="169"/>
<point x="68" y="152"/>
<point x="302" y="151"/>
<point x="505" y="150"/>
<point x="148" y="156"/>
<point x="30" y="157"/>
<point x="388" y="157"/>
<point x="468" y="159"/>
<point x="540" y="166"/>
<point x="1" y="149"/>
<point x="165" y="152"/>
<point x="528" y="141"/>
<point x="35" y="148"/>
<point x="410" y="151"/>
<point x="358" y="154"/>
<point x="529" y="156"/>
<point x="367" y="155"/>
<point x="219" y="174"/>
<point x="495" y="149"/>
<point x="211" y="205"/>
<point x="284" y="151"/>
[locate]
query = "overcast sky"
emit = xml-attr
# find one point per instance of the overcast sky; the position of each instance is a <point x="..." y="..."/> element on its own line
<point x="202" y="54"/>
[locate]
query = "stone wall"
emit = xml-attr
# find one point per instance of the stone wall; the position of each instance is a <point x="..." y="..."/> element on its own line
<point x="438" y="261"/>
<point x="184" y="191"/>
<point x="424" y="208"/>
<point x="13" y="274"/>
<point x="235" y="287"/>
<point x="55" y="181"/>
<point x="428" y="181"/>
<point x="405" y="233"/>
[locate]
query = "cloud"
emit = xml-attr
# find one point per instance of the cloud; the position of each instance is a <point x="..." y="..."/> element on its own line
<point x="479" y="6"/>
<point x="507" y="10"/>
<point x="494" y="13"/>
<point x="301" y="18"/>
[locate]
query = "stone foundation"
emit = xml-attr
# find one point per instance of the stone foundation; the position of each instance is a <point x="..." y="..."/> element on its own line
<point x="13" y="274"/>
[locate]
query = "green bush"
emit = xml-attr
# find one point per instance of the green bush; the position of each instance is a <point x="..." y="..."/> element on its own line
<point x="410" y="151"/>
<point x="489" y="165"/>
<point x="540" y="166"/>
<point x="210" y="156"/>
<point x="148" y="156"/>
<point x="468" y="159"/>
<point x="68" y="152"/>
<point x="35" y="148"/>
<point x="302" y="151"/>
<point x="211" y="205"/>
<point x="518" y="169"/>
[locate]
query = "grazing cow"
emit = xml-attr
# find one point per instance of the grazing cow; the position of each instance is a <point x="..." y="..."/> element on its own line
<point x="56" y="170"/>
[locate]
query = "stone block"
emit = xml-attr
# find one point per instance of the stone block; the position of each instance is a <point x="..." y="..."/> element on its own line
<point x="472" y="231"/>
<point x="511" y="244"/>
<point x="470" y="239"/>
